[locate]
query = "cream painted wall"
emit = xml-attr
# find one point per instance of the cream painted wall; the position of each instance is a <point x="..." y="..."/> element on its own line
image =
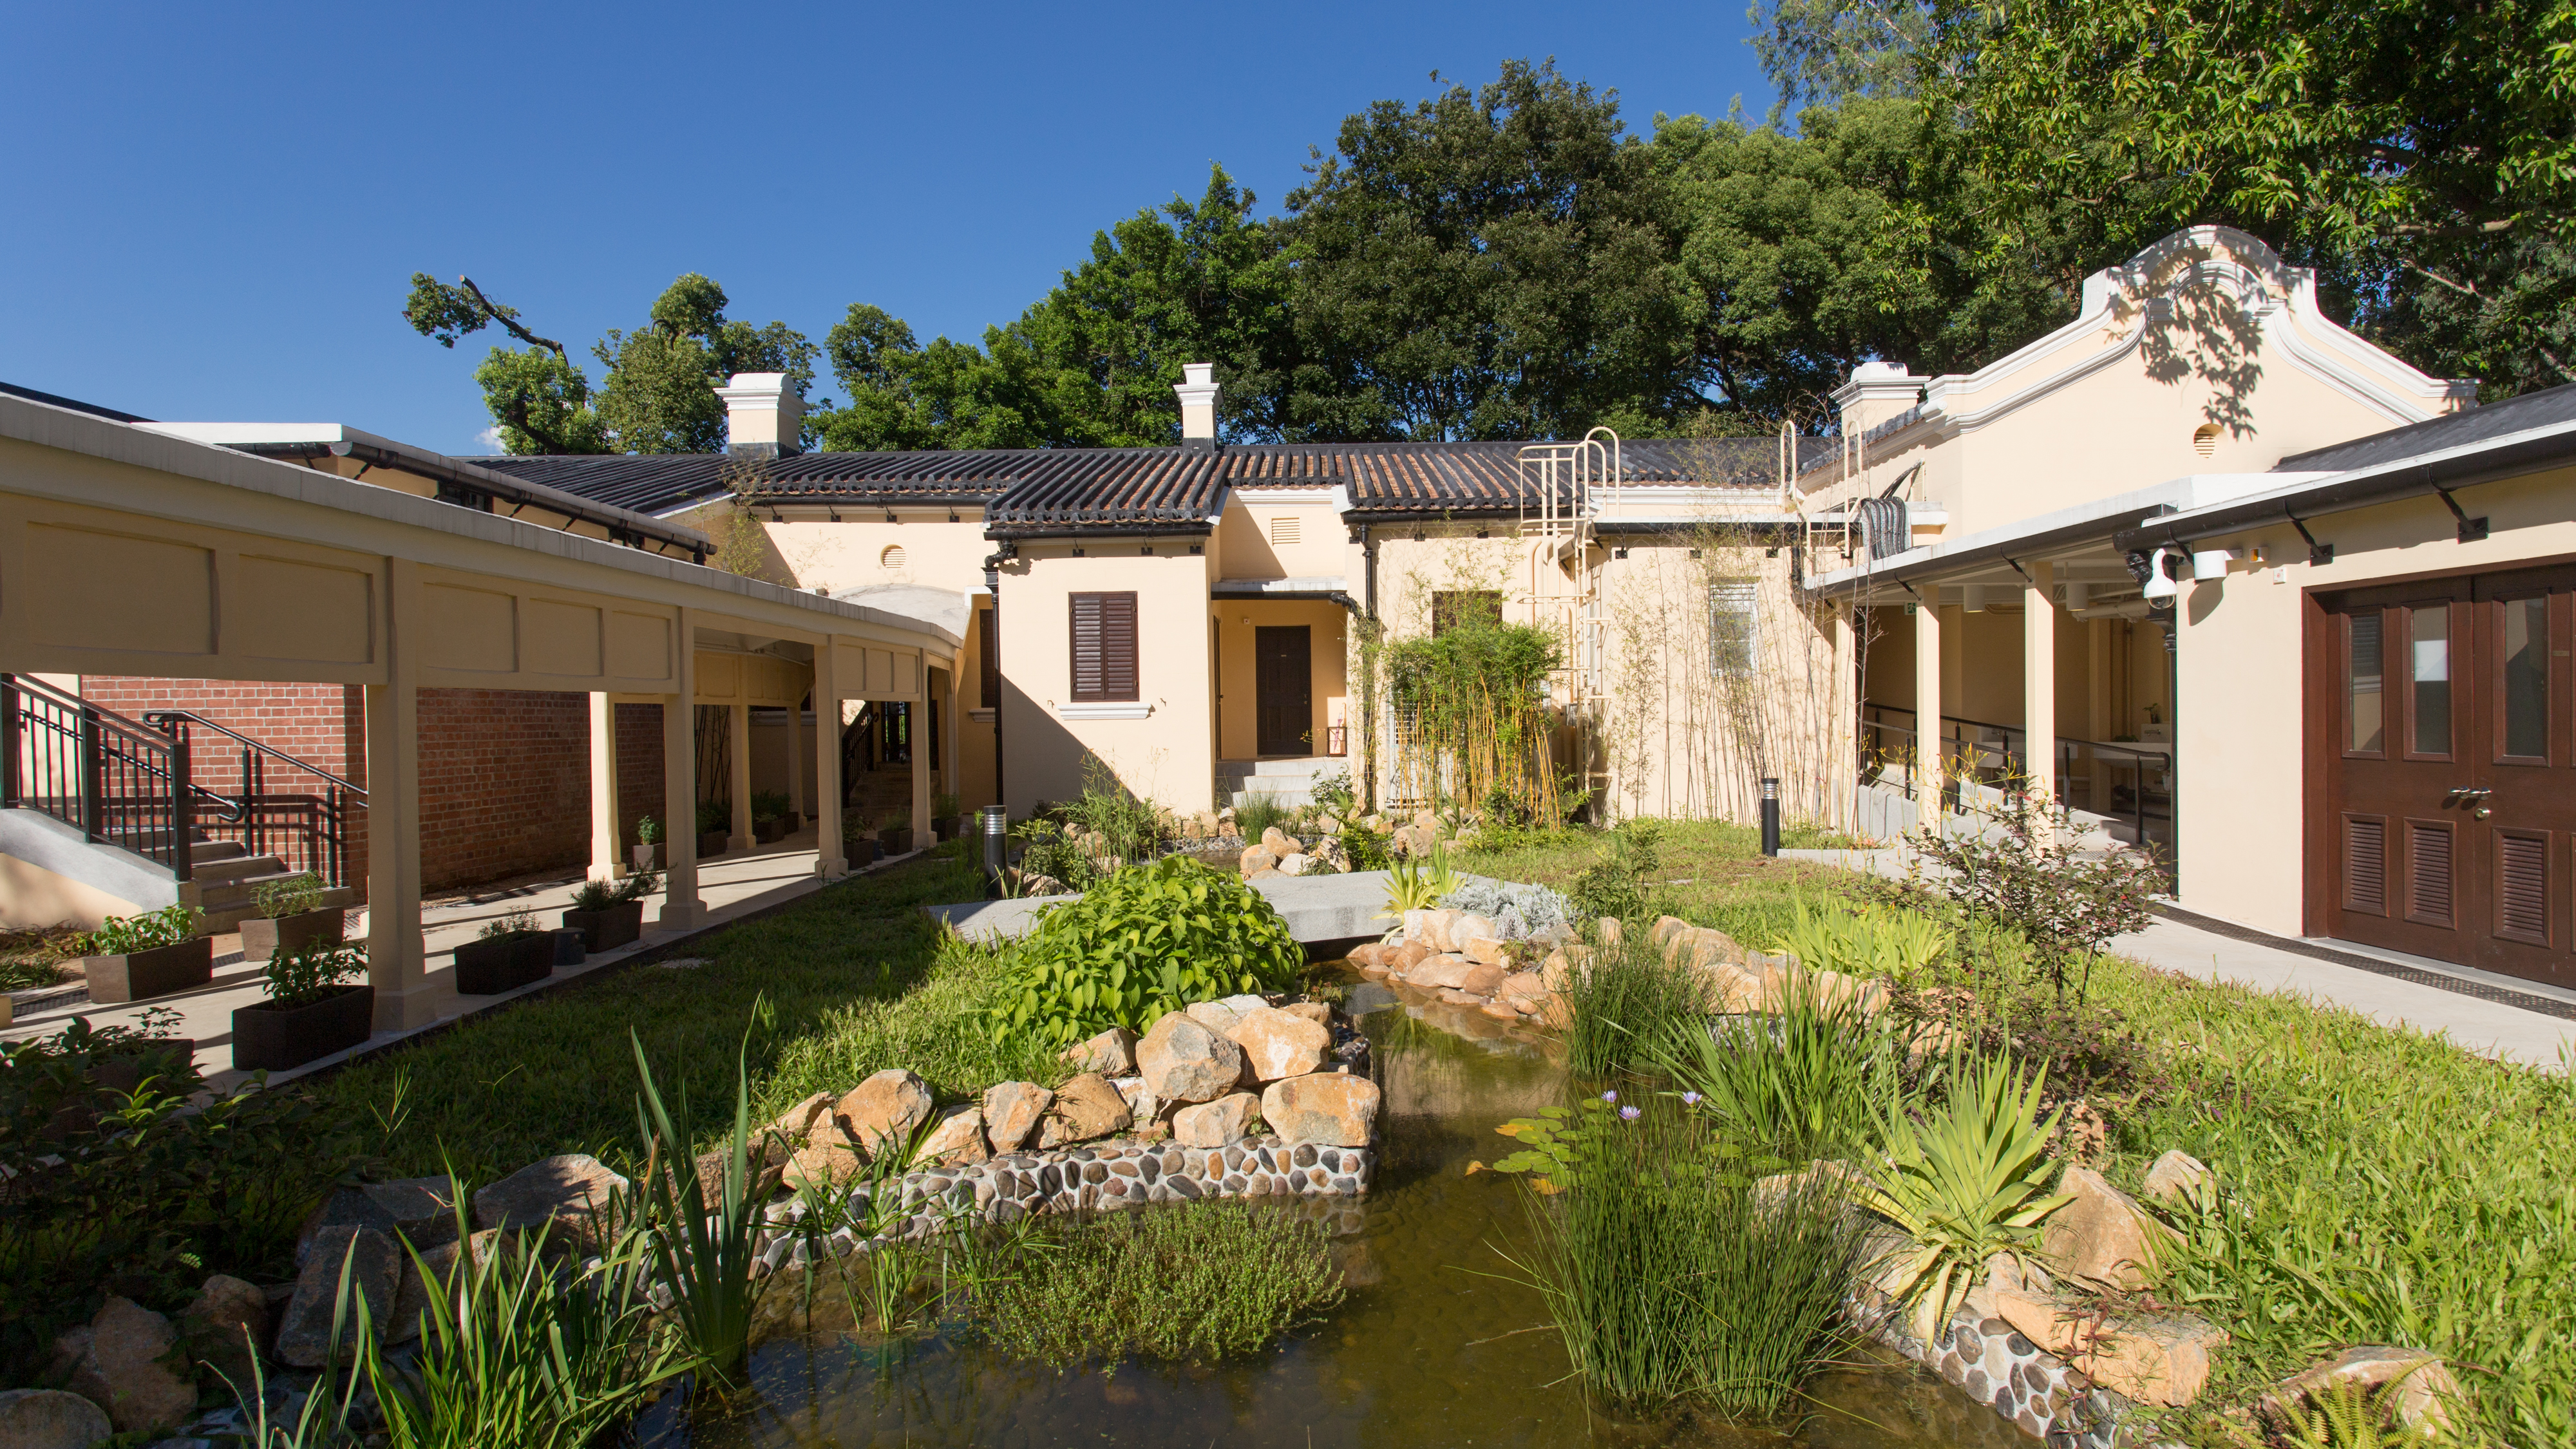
<point x="1327" y="642"/>
<point x="32" y="897"/>
<point x="1249" y="545"/>
<point x="2242" y="728"/>
<point x="851" y="554"/>
<point x="1165" y="756"/>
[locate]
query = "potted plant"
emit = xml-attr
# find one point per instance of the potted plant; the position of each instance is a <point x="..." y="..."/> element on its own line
<point x="896" y="831"/>
<point x="945" y="821"/>
<point x="857" y="842"/>
<point x="770" y="818"/>
<point x="290" y="914"/>
<point x="511" y="952"/>
<point x="610" y="916"/>
<point x="312" y="1008"/>
<point x="714" y="819"/>
<point x="135" y="958"/>
<point x="648" y="837"/>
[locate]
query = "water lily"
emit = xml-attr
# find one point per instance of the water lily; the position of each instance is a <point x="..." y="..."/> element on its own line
<point x="1609" y="1096"/>
<point x="1690" y="1099"/>
<point x="1629" y="1114"/>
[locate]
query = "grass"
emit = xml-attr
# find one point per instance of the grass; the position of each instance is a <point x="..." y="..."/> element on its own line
<point x="2379" y="1185"/>
<point x="1668" y="1275"/>
<point x="839" y="984"/>
<point x="1626" y="1005"/>
<point x="41" y="957"/>
<point x="1198" y="1284"/>
<point x="1258" y="813"/>
<point x="1713" y="873"/>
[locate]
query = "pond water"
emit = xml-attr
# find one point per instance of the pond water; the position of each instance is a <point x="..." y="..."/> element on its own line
<point x="1437" y="1344"/>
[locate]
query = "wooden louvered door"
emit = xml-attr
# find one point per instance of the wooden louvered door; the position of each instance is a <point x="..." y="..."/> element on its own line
<point x="2399" y="874"/>
<point x="1283" y="690"/>
<point x="2449" y="811"/>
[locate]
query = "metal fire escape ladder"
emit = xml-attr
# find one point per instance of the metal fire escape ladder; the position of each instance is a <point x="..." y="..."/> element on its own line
<point x="1563" y="488"/>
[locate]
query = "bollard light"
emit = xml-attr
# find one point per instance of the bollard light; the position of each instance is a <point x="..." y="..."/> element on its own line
<point x="997" y="842"/>
<point x="1771" y="815"/>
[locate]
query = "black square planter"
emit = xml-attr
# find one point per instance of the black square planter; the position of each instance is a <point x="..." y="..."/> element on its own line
<point x="606" y="930"/>
<point x="269" y="1038"/>
<point x="504" y="963"/>
<point x="769" y="831"/>
<point x="896" y="841"/>
<point x="142" y="975"/>
<point x="711" y="844"/>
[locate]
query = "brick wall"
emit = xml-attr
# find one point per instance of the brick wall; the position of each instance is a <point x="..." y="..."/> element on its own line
<point x="639" y="768"/>
<point x="504" y="774"/>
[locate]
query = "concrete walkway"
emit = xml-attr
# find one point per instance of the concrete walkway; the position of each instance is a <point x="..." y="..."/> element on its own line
<point x="1317" y="908"/>
<point x="2495" y="1016"/>
<point x="732" y="885"/>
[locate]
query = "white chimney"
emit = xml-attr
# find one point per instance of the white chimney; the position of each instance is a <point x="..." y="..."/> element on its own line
<point x="763" y="415"/>
<point x="1197" y="391"/>
<point x="1877" y="391"/>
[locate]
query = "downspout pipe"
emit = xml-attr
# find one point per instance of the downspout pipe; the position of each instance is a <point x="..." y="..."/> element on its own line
<point x="993" y="585"/>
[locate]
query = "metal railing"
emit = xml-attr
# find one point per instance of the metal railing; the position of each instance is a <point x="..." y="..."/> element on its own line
<point x="96" y="771"/>
<point x="286" y="807"/>
<point x="1999" y="755"/>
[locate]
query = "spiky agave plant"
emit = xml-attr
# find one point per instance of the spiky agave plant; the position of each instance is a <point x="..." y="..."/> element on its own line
<point x="704" y="1253"/>
<point x="1964" y="1183"/>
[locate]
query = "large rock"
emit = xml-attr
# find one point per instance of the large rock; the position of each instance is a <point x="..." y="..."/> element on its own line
<point x="435" y="1269"/>
<point x="1184" y="1061"/>
<point x="225" y="1326"/>
<point x="50" y="1419"/>
<point x="1214" y="1124"/>
<point x="2103" y="1236"/>
<point x="1448" y="969"/>
<point x="2426" y="1392"/>
<point x="1404" y="958"/>
<point x="2160" y="1360"/>
<point x="883" y="1112"/>
<point x="563" y="1190"/>
<point x="1141" y="1106"/>
<point x="1220" y="1016"/>
<point x="1296" y="862"/>
<point x="375" y="1278"/>
<point x="1012" y="1110"/>
<point x="1256" y="859"/>
<point x="1314" y="1011"/>
<point x="1488" y="949"/>
<point x="1085" y="1108"/>
<point x="421" y="1209"/>
<point x="1661" y="934"/>
<point x="1368" y="953"/>
<point x="128" y="1363"/>
<point x="2178" y="1177"/>
<point x="1111" y="1054"/>
<point x="1432" y="928"/>
<point x="1277" y="841"/>
<point x="1482" y="978"/>
<point x="1276" y="1044"/>
<point x="956" y="1141"/>
<point x="1608" y="928"/>
<point x="1331" y="1108"/>
<point x="1467" y="927"/>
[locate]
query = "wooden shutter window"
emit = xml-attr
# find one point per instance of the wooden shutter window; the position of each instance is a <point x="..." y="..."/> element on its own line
<point x="2428" y="873"/>
<point x="2365" y="864"/>
<point x="1103" y="630"/>
<point x="2522" y="887"/>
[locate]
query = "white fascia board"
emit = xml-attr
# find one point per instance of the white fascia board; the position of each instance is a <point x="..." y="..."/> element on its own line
<point x="1250" y="494"/>
<point x="1319" y="584"/>
<point x="2292" y="485"/>
<point x="2107" y="511"/>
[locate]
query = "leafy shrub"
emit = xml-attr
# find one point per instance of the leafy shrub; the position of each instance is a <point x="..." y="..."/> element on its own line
<point x="1044" y="850"/>
<point x="119" y="935"/>
<point x="1333" y="794"/>
<point x="1366" y="849"/>
<point x="1519" y="908"/>
<point x="944" y="804"/>
<point x="1417" y="882"/>
<point x="648" y="831"/>
<point x="714" y="815"/>
<point x="1622" y="883"/>
<point x="638" y="885"/>
<point x="1131" y="829"/>
<point x="770" y="805"/>
<point x="518" y="922"/>
<point x="594" y="895"/>
<point x="292" y="896"/>
<point x="1142" y="942"/>
<point x="1193" y="1283"/>
<point x="1965" y="1183"/>
<point x="302" y="975"/>
<point x="1667" y="1272"/>
<point x="2032" y="878"/>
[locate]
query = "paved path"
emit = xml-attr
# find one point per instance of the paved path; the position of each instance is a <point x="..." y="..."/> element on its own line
<point x="732" y="886"/>
<point x="1318" y="908"/>
<point x="2494" y="1016"/>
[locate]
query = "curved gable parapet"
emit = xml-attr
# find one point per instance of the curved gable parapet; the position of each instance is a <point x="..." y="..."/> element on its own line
<point x="2170" y="283"/>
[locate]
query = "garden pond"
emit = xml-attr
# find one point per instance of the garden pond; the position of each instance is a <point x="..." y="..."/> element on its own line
<point x="1440" y="1342"/>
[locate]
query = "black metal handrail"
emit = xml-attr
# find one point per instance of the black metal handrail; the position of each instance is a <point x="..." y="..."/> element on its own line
<point x="2013" y="748"/>
<point x="307" y="829"/>
<point x="115" y="781"/>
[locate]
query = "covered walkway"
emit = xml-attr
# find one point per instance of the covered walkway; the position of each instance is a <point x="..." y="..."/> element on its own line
<point x="129" y="552"/>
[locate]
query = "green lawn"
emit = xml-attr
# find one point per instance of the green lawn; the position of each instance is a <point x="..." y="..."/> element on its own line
<point x="849" y="980"/>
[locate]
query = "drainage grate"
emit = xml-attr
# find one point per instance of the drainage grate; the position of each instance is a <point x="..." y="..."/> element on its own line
<point x="2457" y="986"/>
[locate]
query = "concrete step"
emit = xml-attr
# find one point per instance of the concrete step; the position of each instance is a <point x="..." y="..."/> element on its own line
<point x="228" y="914"/>
<point x="233" y="869"/>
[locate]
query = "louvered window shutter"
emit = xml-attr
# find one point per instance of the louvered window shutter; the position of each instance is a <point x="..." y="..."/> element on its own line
<point x="1104" y="647"/>
<point x="991" y="681"/>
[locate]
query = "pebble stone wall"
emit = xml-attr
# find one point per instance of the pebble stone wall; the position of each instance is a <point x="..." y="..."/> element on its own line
<point x="1986" y="1359"/>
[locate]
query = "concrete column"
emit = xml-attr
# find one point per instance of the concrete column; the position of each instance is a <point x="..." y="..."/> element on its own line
<point x="607" y="848"/>
<point x="829" y="861"/>
<point x="1928" y="764"/>
<point x="397" y="963"/>
<point x="1842" y="726"/>
<point x="682" y="910"/>
<point x="2039" y="678"/>
<point x="796" y="760"/>
<point x="738" y="770"/>
<point x="917" y="728"/>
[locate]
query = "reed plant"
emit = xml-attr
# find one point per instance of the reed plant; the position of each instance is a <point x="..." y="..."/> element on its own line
<point x="1625" y="1001"/>
<point x="1257" y="813"/>
<point x="1672" y="1272"/>
<point x="1194" y="1283"/>
<point x="704" y="1252"/>
<point x="1813" y="1081"/>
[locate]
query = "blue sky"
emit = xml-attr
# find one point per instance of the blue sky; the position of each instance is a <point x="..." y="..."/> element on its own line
<point x="219" y="207"/>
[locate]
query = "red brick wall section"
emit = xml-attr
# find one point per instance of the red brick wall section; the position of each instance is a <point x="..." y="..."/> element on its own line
<point x="504" y="774"/>
<point x="639" y="768"/>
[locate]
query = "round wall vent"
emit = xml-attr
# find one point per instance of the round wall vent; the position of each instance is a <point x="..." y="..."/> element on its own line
<point x="892" y="558"/>
<point x="2204" y="439"/>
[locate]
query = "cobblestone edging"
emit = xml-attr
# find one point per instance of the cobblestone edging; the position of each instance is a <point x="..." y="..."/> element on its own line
<point x="1118" y="1173"/>
<point x="1986" y="1359"/>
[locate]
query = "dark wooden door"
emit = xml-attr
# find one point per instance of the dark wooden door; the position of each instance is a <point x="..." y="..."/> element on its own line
<point x="2450" y="811"/>
<point x="1283" y="685"/>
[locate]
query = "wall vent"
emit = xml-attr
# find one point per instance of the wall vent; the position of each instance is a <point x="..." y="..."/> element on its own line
<point x="1285" y="529"/>
<point x="892" y="558"/>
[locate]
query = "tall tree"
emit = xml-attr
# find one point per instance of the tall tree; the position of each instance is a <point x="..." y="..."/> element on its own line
<point x="2422" y="147"/>
<point x="1829" y="50"/>
<point x="1488" y="263"/>
<point x="538" y="398"/>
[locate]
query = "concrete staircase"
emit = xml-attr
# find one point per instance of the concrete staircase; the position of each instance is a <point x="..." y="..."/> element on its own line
<point x="1288" y="782"/>
<point x="228" y="878"/>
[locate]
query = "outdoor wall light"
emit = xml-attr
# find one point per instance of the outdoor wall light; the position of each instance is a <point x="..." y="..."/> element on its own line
<point x="2211" y="563"/>
<point x="2079" y="596"/>
<point x="1972" y="598"/>
<point x="2160" y="584"/>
